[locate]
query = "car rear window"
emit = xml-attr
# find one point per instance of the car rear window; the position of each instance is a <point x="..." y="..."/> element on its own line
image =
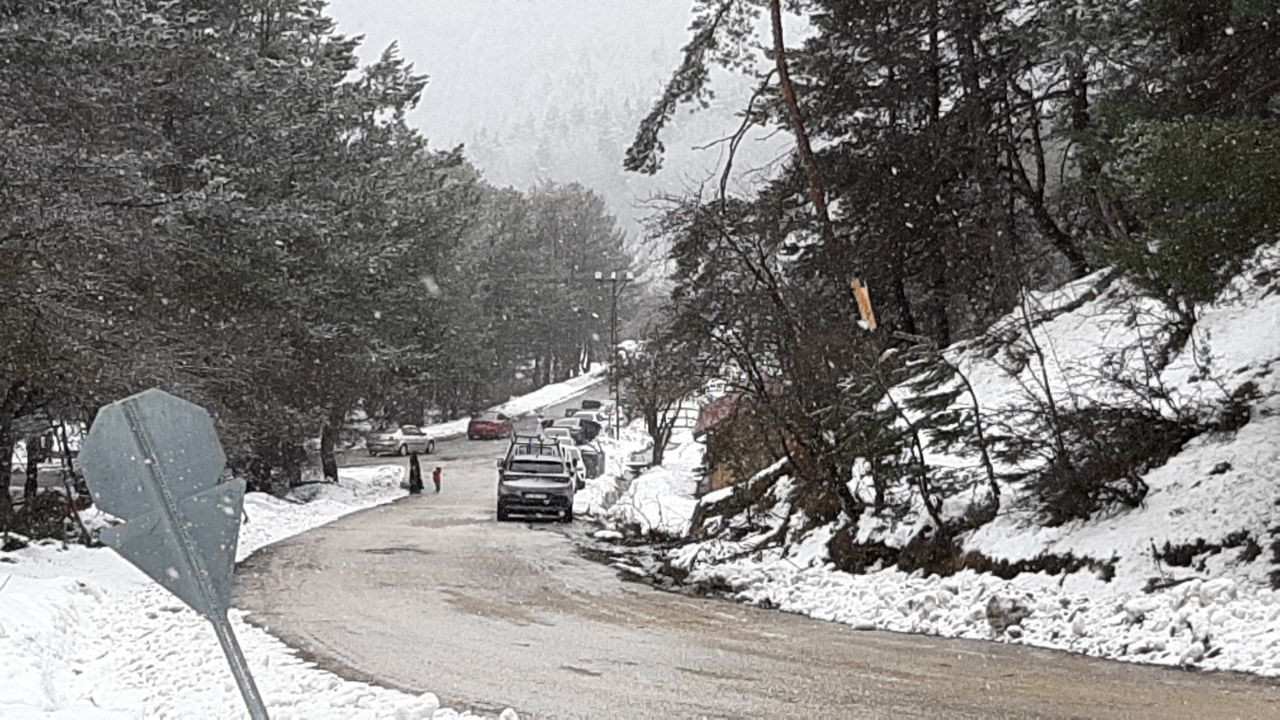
<point x="535" y="467"/>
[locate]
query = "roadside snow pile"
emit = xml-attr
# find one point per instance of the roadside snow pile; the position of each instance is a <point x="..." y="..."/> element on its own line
<point x="1218" y="624"/>
<point x="602" y="492"/>
<point x="554" y="393"/>
<point x="1184" y="578"/>
<point x="84" y="635"/>
<point x="661" y="500"/>
<point x="530" y="403"/>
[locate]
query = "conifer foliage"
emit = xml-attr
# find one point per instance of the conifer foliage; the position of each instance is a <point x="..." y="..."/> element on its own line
<point x="215" y="198"/>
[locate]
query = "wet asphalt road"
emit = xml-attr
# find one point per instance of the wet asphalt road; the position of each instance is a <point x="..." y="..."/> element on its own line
<point x="431" y="594"/>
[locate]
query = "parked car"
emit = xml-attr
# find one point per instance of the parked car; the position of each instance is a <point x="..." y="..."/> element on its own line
<point x="593" y="416"/>
<point x="535" y="483"/>
<point x="559" y="433"/>
<point x="490" y="426"/>
<point x="592" y="404"/>
<point x="576" y="465"/>
<point x="582" y="429"/>
<point x="574" y="426"/>
<point x="401" y="441"/>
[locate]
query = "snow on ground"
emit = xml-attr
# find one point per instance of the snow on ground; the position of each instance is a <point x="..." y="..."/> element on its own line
<point x="1219" y="624"/>
<point x="1220" y="612"/>
<point x="527" y="404"/>
<point x="602" y="492"/>
<point x="661" y="499"/>
<point x="84" y="635"/>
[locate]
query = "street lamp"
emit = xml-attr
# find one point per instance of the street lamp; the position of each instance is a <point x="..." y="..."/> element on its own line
<point x="617" y="283"/>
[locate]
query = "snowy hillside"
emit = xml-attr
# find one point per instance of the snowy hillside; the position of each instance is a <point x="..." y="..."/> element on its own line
<point x="1189" y="576"/>
<point x="555" y="89"/>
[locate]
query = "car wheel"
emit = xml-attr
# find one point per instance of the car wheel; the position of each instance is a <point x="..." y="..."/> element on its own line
<point x="404" y="450"/>
<point x="568" y="517"/>
<point x="431" y="446"/>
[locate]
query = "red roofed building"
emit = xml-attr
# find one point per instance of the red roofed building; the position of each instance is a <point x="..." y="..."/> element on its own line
<point x="738" y="444"/>
<point x="714" y="413"/>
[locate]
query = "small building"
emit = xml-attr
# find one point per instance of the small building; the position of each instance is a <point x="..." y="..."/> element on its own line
<point x="738" y="444"/>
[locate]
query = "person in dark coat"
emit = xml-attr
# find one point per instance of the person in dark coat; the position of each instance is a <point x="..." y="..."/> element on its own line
<point x="415" y="475"/>
<point x="435" y="477"/>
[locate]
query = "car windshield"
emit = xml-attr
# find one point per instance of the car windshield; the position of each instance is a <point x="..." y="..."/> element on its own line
<point x="410" y="430"/>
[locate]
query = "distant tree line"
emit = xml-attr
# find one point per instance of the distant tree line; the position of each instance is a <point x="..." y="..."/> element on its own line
<point x="950" y="155"/>
<point x="214" y="198"/>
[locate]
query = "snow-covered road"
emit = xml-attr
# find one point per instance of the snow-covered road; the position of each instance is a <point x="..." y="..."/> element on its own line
<point x="430" y="593"/>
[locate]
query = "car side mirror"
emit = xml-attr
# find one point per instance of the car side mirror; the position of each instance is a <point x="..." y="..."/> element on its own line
<point x="499" y="463"/>
<point x="581" y="485"/>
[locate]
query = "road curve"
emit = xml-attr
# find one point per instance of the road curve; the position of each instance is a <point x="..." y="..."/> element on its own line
<point x="431" y="594"/>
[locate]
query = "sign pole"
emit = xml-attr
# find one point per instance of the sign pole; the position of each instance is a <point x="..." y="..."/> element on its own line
<point x="239" y="667"/>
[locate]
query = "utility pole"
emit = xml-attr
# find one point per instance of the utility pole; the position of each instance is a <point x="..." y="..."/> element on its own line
<point x="617" y="283"/>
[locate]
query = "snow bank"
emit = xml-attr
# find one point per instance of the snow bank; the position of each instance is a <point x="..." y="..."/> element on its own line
<point x="662" y="499"/>
<point x="84" y="635"/>
<point x="1218" y="624"/>
<point x="530" y="403"/>
<point x="602" y="492"/>
<point x="554" y="393"/>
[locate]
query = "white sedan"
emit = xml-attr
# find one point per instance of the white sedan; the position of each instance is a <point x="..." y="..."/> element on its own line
<point x="401" y="441"/>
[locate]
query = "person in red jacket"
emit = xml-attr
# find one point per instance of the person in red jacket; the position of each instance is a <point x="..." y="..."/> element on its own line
<point x="435" y="477"/>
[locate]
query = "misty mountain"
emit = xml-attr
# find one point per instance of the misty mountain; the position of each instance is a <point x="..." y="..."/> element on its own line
<point x="553" y="90"/>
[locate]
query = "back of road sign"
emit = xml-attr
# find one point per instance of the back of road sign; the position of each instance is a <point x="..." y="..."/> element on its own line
<point x="153" y="460"/>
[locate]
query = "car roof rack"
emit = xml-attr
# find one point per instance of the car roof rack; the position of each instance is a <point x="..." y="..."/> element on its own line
<point x="533" y="445"/>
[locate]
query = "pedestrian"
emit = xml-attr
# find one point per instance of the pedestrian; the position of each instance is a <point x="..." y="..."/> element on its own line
<point x="415" y="475"/>
<point x="435" y="477"/>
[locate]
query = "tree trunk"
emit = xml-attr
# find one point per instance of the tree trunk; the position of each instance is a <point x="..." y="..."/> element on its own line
<point x="660" y="445"/>
<point x="7" y="441"/>
<point x="937" y="316"/>
<point x="906" y="318"/>
<point x="817" y="192"/>
<point x="292" y="458"/>
<point x="35" y="454"/>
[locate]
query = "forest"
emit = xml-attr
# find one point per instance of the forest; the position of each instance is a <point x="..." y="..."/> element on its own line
<point x="215" y="198"/>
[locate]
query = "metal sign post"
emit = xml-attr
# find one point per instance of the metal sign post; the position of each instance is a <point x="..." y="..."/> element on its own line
<point x="153" y="460"/>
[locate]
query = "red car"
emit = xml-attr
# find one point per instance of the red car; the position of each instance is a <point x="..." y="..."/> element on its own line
<point x="490" y="426"/>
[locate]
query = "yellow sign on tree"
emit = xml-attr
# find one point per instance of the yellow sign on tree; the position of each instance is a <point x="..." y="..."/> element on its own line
<point x="863" y="296"/>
